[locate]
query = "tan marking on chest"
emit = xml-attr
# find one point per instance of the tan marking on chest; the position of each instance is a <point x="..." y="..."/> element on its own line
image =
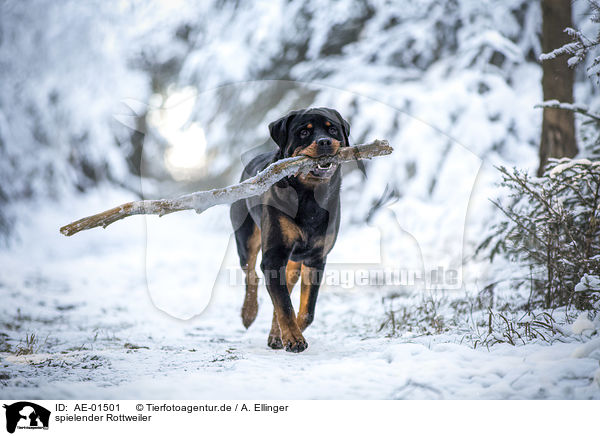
<point x="289" y="230"/>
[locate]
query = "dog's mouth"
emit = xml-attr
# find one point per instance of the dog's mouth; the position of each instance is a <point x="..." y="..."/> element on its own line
<point x="323" y="171"/>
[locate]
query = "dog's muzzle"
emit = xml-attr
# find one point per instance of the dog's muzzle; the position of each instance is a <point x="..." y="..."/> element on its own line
<point x="324" y="171"/>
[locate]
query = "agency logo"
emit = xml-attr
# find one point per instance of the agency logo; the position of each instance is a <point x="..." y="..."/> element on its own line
<point x="26" y="415"/>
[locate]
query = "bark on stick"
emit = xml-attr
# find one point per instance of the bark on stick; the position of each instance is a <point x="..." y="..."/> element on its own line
<point x="202" y="200"/>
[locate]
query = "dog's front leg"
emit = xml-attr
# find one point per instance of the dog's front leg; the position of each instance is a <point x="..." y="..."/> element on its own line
<point x="274" y="266"/>
<point x="312" y="275"/>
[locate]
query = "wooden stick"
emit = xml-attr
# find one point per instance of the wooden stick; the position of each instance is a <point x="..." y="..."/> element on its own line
<point x="202" y="200"/>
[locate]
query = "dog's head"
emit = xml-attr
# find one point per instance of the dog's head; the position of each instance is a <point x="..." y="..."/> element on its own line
<point x="313" y="132"/>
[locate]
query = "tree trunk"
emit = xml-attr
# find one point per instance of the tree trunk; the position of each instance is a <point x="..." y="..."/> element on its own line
<point x="558" y="126"/>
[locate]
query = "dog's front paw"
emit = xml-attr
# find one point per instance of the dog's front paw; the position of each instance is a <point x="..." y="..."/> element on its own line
<point x="275" y="342"/>
<point x="295" y="344"/>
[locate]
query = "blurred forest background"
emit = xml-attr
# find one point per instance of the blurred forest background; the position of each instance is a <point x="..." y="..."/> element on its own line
<point x="83" y="85"/>
<point x="103" y="101"/>
<point x="161" y="98"/>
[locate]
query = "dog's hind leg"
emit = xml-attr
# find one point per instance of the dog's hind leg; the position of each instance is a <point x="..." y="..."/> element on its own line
<point x="250" y="306"/>
<point x="247" y="238"/>
<point x="292" y="274"/>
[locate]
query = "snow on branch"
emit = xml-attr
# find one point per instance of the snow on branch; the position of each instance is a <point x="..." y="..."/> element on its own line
<point x="577" y="49"/>
<point x="581" y="44"/>
<point x="202" y="200"/>
<point x="579" y="108"/>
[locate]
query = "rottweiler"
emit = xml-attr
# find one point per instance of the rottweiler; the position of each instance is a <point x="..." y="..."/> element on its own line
<point x="295" y="223"/>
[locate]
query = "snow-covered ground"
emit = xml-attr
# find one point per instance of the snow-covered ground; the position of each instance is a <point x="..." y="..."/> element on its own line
<point x="100" y="331"/>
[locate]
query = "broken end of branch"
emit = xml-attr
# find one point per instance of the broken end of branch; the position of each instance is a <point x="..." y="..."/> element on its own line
<point x="65" y="231"/>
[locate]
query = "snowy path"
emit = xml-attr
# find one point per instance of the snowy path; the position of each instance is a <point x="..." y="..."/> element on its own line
<point x="105" y="339"/>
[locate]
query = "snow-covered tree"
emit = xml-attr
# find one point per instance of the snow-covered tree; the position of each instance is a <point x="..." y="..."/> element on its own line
<point x="552" y="224"/>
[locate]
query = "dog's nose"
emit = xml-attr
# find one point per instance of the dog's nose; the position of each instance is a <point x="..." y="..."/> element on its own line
<point x="324" y="142"/>
<point x="324" y="146"/>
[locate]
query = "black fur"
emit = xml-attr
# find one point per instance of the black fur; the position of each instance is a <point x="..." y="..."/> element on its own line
<point x="306" y="206"/>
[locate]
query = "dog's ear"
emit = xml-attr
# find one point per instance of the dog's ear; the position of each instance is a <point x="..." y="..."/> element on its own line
<point x="346" y="133"/>
<point x="345" y="127"/>
<point x="279" y="133"/>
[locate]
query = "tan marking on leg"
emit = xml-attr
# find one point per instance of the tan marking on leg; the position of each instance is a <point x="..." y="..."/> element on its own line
<point x="274" y="340"/>
<point x="304" y="295"/>
<point x="250" y="306"/>
<point x="291" y="336"/>
<point x="292" y="274"/>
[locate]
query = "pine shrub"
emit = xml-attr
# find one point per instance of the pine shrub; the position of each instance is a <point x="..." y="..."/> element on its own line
<point x="552" y="225"/>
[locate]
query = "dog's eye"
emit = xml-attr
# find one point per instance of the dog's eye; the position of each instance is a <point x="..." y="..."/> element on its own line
<point x="333" y="130"/>
<point x="304" y="133"/>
